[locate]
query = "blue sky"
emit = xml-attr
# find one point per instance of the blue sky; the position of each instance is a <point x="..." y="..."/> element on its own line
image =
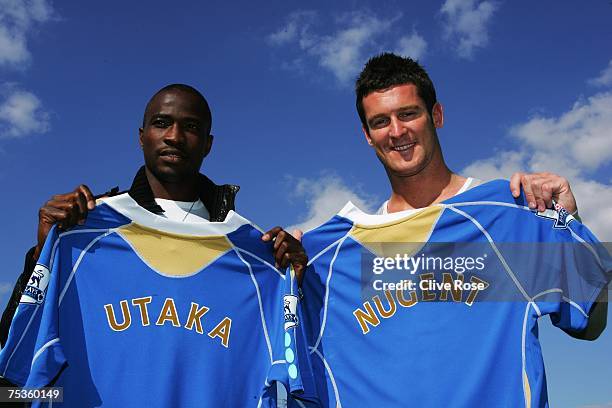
<point x="524" y="87"/>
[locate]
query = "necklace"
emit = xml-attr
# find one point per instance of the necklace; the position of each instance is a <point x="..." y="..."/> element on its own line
<point x="189" y="211"/>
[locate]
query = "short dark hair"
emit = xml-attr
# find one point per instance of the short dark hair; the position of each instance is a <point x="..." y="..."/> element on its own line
<point x="386" y="70"/>
<point x="182" y="88"/>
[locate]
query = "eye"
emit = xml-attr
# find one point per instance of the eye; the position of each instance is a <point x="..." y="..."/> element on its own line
<point x="161" y="123"/>
<point x="193" y="127"/>
<point x="406" y="115"/>
<point x="378" y="123"/>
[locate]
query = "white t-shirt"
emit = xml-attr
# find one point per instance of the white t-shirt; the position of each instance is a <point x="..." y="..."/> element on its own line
<point x="186" y="211"/>
<point x="469" y="183"/>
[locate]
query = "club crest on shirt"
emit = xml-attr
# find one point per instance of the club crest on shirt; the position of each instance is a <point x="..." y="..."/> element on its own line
<point x="34" y="293"/>
<point x="290" y="311"/>
<point x="559" y="215"/>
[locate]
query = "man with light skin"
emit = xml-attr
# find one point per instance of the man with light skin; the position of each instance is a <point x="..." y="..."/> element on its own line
<point x="400" y="116"/>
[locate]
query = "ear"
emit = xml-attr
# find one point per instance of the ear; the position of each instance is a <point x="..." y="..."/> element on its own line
<point x="208" y="144"/>
<point x="140" y="136"/>
<point x="367" y="136"/>
<point x="438" y="115"/>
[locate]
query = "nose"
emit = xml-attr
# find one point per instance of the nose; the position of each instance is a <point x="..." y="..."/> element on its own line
<point x="174" y="134"/>
<point x="395" y="127"/>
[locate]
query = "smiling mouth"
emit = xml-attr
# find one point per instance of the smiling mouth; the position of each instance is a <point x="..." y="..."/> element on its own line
<point x="403" y="147"/>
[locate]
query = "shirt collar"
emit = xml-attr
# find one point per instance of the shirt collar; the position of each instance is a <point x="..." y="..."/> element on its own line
<point x="141" y="192"/>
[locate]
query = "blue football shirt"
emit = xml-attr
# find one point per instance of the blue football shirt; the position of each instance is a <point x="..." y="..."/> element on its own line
<point x="438" y="307"/>
<point x="133" y="309"/>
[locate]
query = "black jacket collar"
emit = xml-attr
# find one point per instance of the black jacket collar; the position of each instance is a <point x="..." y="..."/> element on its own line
<point x="218" y="200"/>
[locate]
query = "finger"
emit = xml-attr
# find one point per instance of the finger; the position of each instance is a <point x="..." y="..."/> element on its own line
<point x="47" y="217"/>
<point x="558" y="185"/>
<point x="89" y="197"/>
<point x="526" y="184"/>
<point x="536" y="188"/>
<point x="297" y="234"/>
<point x="73" y="214"/>
<point x="271" y="234"/>
<point x="515" y="184"/>
<point x="299" y="273"/>
<point x="70" y="208"/>
<point x="561" y="192"/>
<point x="54" y="212"/>
<point x="299" y="261"/>
<point x="279" y="254"/>
<point x="49" y="214"/>
<point x="60" y="198"/>
<point x="286" y="260"/>
<point x="64" y="213"/>
<point x="53" y="216"/>
<point x="281" y="238"/>
<point x="82" y="206"/>
<point x="547" y="195"/>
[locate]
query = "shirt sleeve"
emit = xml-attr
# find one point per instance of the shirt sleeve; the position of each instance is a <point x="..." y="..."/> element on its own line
<point x="555" y="263"/>
<point x="586" y="270"/>
<point x="48" y="358"/>
<point x="13" y="303"/>
<point x="21" y="346"/>
<point x="562" y="266"/>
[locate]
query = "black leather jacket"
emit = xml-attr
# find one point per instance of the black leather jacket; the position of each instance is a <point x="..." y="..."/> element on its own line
<point x="219" y="200"/>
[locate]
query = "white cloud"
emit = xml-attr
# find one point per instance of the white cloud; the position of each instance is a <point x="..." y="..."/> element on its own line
<point x="466" y="24"/>
<point x="604" y="78"/>
<point x="21" y="114"/>
<point x="580" y="138"/>
<point x="324" y="197"/>
<point x="594" y="200"/>
<point x="13" y="48"/>
<point x="297" y="27"/>
<point x="574" y="145"/>
<point x="17" y="18"/>
<point x="501" y="166"/>
<point x="343" y="52"/>
<point x="413" y="46"/>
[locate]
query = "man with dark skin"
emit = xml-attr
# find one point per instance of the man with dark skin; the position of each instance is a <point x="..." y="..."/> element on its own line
<point x="175" y="138"/>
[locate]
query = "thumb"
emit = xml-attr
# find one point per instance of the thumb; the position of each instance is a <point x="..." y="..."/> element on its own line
<point x="297" y="234"/>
